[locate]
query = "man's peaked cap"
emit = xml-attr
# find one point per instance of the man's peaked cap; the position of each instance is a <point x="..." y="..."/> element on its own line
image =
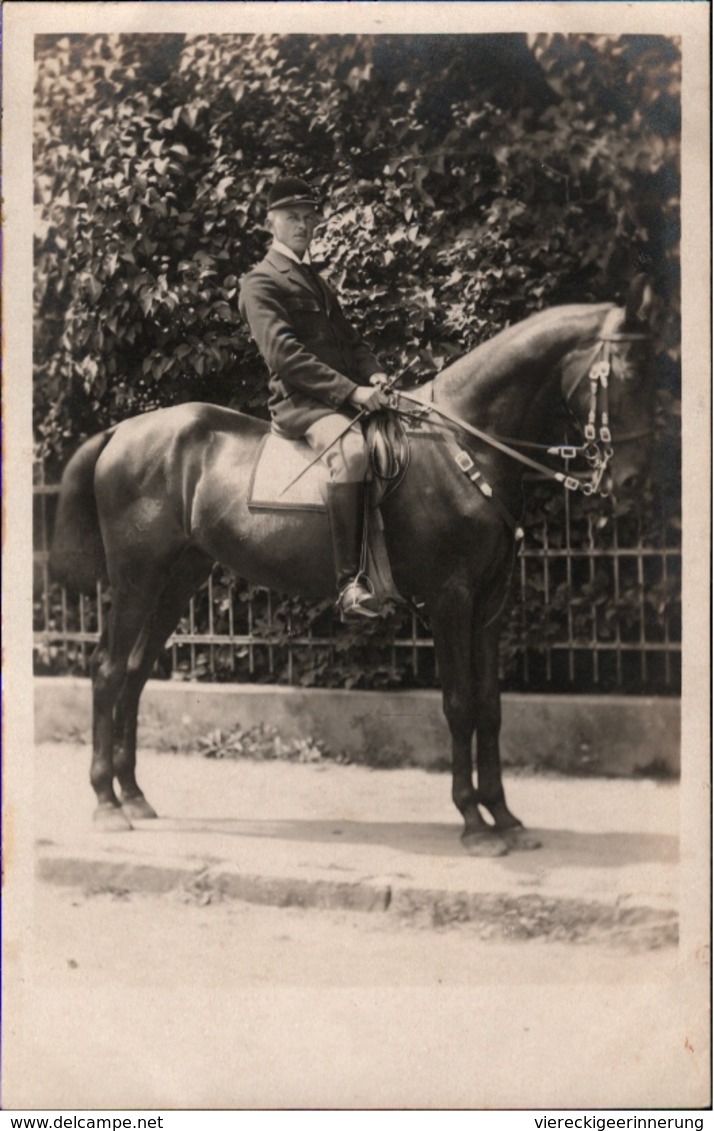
<point x="291" y="190"/>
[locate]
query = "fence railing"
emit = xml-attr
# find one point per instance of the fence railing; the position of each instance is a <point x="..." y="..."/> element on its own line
<point x="595" y="607"/>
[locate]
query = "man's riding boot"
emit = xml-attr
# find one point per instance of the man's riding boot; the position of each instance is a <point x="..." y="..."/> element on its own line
<point x="345" y="509"/>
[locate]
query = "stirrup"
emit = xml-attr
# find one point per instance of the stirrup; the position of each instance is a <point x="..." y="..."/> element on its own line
<point x="357" y="599"/>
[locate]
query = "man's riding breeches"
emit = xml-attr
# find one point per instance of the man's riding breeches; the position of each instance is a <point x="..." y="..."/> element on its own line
<point x="348" y="458"/>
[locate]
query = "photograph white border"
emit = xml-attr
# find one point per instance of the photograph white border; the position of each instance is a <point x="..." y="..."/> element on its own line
<point x="690" y="21"/>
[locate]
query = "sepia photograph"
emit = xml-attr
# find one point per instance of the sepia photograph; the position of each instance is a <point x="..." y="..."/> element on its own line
<point x="357" y="558"/>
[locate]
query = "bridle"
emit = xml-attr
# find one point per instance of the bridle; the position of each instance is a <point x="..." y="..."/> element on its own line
<point x="598" y="448"/>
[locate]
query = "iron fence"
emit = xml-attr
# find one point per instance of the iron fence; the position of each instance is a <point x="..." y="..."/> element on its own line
<point x="595" y="607"/>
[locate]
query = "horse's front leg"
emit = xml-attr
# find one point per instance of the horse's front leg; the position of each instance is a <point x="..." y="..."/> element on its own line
<point x="451" y="619"/>
<point x="490" y="792"/>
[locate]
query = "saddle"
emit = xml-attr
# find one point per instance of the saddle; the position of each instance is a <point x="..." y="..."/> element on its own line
<point x="280" y="461"/>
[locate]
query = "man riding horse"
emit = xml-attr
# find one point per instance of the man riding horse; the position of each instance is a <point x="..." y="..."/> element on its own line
<point x="321" y="374"/>
<point x="150" y="504"/>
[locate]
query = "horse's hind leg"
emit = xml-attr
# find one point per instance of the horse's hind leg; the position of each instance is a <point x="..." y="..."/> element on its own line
<point x="101" y="773"/>
<point x="133" y="802"/>
<point x="133" y="606"/>
<point x="190" y="572"/>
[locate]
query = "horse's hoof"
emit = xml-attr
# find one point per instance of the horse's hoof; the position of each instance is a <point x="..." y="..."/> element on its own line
<point x="484" y="844"/>
<point x="111" y="819"/>
<point x="519" y="839"/>
<point x="138" y="809"/>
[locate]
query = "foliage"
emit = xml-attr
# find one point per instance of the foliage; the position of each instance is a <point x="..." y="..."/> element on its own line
<point x="468" y="181"/>
<point x="457" y="198"/>
<point x="262" y="743"/>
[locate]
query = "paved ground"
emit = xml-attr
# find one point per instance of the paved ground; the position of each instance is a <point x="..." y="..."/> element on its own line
<point x="313" y="935"/>
<point x="347" y="837"/>
<point x="186" y="999"/>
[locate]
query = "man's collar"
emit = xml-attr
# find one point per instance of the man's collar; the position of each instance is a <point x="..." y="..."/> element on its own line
<point x="289" y="253"/>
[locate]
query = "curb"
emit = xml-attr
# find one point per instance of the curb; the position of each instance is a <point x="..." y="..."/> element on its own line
<point x="495" y="915"/>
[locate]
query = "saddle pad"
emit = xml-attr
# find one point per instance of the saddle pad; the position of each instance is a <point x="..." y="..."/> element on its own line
<point x="277" y="463"/>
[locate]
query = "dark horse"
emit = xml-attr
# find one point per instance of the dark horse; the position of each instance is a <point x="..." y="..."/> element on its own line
<point x="151" y="504"/>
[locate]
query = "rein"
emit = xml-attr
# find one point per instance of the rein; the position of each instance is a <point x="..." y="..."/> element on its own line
<point x="568" y="481"/>
<point x="597" y="449"/>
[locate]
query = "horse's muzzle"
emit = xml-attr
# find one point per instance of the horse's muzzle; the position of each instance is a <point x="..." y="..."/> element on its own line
<point x="626" y="489"/>
<point x="629" y="486"/>
<point x="629" y="471"/>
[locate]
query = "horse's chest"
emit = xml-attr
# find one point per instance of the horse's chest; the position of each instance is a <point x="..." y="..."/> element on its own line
<point x="431" y="539"/>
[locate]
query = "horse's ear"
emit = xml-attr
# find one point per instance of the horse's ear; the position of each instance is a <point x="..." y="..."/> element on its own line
<point x="640" y="300"/>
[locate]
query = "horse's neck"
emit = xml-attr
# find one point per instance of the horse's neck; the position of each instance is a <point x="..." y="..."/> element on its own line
<point x="507" y="382"/>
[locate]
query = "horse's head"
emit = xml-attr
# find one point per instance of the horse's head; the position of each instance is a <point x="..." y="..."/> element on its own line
<point x="610" y="392"/>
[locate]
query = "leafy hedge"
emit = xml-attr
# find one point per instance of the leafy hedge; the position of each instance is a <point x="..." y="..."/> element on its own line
<point x="468" y="181"/>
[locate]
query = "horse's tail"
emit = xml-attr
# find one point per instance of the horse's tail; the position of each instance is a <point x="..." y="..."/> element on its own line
<point x="77" y="558"/>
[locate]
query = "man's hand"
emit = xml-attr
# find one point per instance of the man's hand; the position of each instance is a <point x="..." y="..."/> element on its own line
<point x="367" y="399"/>
<point x="378" y="380"/>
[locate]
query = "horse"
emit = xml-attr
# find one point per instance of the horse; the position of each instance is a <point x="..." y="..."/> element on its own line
<point x="152" y="503"/>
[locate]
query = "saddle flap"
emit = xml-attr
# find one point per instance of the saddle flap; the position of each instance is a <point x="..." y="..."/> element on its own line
<point x="277" y="464"/>
<point x="279" y="461"/>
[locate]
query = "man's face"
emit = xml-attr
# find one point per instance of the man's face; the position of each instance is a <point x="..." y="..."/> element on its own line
<point x="293" y="226"/>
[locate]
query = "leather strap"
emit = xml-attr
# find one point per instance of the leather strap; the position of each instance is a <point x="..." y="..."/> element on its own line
<point x="465" y="462"/>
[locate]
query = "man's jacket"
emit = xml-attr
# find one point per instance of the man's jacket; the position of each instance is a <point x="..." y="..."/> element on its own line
<point x="315" y="358"/>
